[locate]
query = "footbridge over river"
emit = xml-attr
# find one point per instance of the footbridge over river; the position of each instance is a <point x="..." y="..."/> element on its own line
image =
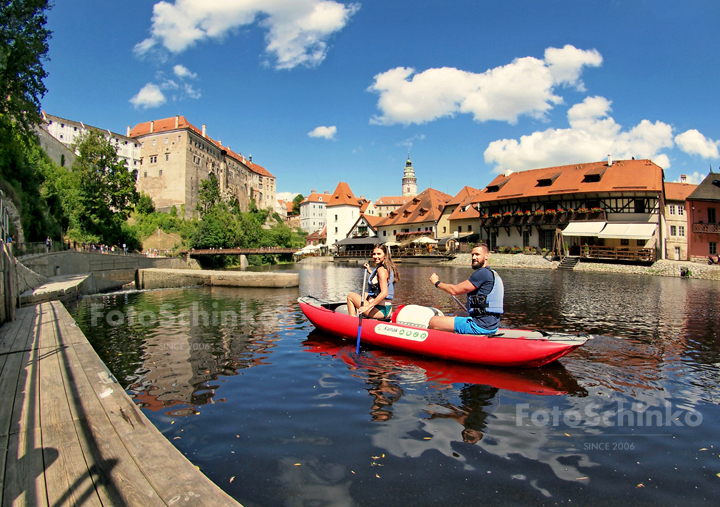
<point x="239" y="251"/>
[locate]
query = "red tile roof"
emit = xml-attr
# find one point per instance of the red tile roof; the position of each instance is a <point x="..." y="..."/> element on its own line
<point x="622" y="175"/>
<point x="465" y="209"/>
<point x="397" y="200"/>
<point x="343" y="195"/>
<point x="424" y="207"/>
<point x="463" y="194"/>
<point x="168" y="124"/>
<point x="316" y="197"/>
<point x="678" y="191"/>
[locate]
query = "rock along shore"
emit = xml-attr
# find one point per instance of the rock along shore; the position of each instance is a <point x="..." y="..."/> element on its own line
<point x="659" y="268"/>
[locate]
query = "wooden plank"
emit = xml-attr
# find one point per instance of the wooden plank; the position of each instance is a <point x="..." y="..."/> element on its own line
<point x="3" y="458"/>
<point x="117" y="478"/>
<point x="8" y="387"/>
<point x="26" y="404"/>
<point x="54" y="406"/>
<point x="24" y="474"/>
<point x="20" y="323"/>
<point x="68" y="480"/>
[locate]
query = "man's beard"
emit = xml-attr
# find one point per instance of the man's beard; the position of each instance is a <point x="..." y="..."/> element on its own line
<point x="476" y="264"/>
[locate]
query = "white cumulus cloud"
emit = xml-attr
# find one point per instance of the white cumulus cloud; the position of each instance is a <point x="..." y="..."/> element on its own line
<point x="182" y="72"/>
<point x="523" y="87"/>
<point x="593" y="135"/>
<point x="693" y="142"/>
<point x="149" y="96"/>
<point x="297" y="30"/>
<point x="324" y="132"/>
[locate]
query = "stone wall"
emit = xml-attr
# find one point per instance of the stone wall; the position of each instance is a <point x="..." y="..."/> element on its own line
<point x="111" y="271"/>
<point x="28" y="279"/>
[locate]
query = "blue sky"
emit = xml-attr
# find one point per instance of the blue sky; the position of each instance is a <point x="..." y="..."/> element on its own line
<point x="322" y="91"/>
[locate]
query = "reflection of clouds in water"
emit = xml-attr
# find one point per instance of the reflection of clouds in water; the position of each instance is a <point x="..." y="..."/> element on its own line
<point x="538" y="443"/>
<point x="311" y="482"/>
<point x="396" y="437"/>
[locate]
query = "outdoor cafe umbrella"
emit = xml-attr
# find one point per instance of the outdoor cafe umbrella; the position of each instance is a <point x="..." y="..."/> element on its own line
<point x="392" y="243"/>
<point x="425" y="239"/>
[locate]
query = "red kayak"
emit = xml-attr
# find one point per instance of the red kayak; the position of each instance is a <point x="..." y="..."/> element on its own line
<point x="407" y="331"/>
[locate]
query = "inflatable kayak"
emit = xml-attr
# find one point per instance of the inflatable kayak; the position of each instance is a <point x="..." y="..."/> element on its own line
<point x="407" y="331"/>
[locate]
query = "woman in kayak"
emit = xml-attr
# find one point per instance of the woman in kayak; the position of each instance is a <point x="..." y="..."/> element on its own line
<point x="380" y="288"/>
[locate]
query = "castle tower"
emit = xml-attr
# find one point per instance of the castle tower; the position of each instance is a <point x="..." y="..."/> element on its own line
<point x="409" y="181"/>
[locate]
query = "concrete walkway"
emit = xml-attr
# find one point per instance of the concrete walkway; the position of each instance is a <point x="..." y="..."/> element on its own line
<point x="70" y="435"/>
<point x="62" y="288"/>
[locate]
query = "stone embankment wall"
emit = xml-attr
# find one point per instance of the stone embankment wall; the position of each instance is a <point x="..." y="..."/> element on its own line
<point x="172" y="278"/>
<point x="659" y="268"/>
<point x="110" y="271"/>
<point x="28" y="279"/>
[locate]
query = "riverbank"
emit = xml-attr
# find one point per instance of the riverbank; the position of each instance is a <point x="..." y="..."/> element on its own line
<point x="659" y="268"/>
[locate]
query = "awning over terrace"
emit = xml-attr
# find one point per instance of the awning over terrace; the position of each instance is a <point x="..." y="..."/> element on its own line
<point x="368" y="241"/>
<point x="628" y="231"/>
<point x="581" y="228"/>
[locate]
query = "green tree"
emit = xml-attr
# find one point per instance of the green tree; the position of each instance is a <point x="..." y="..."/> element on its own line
<point x="208" y="194"/>
<point x="23" y="49"/>
<point x="145" y="204"/>
<point x="106" y="189"/>
<point x="296" y="204"/>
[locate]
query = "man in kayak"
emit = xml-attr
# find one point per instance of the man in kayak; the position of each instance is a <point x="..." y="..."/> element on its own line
<point x="485" y="293"/>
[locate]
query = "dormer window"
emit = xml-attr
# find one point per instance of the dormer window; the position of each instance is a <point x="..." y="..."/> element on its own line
<point x="595" y="175"/>
<point x="416" y="201"/>
<point x="548" y="179"/>
<point x="497" y="186"/>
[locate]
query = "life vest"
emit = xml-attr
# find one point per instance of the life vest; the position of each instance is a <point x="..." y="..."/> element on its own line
<point x="478" y="305"/>
<point x="374" y="288"/>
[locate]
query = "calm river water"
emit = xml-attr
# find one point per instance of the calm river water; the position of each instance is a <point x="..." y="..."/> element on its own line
<point x="279" y="414"/>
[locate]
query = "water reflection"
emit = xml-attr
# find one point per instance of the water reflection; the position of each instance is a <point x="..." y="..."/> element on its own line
<point x="295" y="417"/>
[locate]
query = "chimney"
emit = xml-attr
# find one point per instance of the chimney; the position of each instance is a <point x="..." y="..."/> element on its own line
<point x="683" y="179"/>
<point x="177" y="121"/>
<point x="152" y="127"/>
<point x="250" y="157"/>
<point x="312" y="191"/>
<point x="128" y="131"/>
<point x="610" y="162"/>
<point x="508" y="172"/>
<point x="204" y="130"/>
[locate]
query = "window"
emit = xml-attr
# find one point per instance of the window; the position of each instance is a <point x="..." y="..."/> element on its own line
<point x="625" y="242"/>
<point x="166" y="140"/>
<point x="145" y="174"/>
<point x="526" y="239"/>
<point x="336" y="221"/>
<point x="673" y="230"/>
<point x="711" y="216"/>
<point x="681" y="210"/>
<point x="384" y="233"/>
<point x="641" y="243"/>
<point x="459" y="228"/>
<point x="167" y="157"/>
<point x="153" y="159"/>
<point x="639" y="205"/>
<point x="154" y="141"/>
<point x="160" y="172"/>
<point x="469" y="228"/>
<point x="713" y="248"/>
<point x="681" y="231"/>
<point x="672" y="209"/>
<point x="336" y="230"/>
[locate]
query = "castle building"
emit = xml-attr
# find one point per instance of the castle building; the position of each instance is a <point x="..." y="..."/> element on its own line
<point x="409" y="181"/>
<point x="175" y="156"/>
<point x="68" y="131"/>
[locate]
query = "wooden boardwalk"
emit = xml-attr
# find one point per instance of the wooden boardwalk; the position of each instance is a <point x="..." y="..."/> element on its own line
<point x="70" y="435"/>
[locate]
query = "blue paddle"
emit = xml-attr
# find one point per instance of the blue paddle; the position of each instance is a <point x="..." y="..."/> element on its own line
<point x="362" y="301"/>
